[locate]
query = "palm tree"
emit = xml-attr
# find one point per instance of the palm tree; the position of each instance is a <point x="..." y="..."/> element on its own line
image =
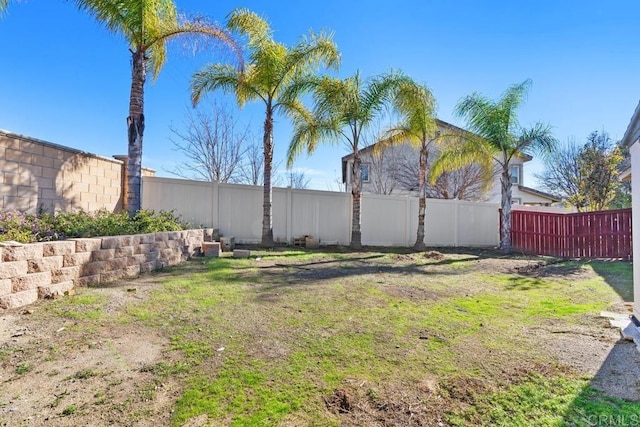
<point x="499" y="138"/>
<point x="275" y="74"/>
<point x="3" y="5"/>
<point x="343" y="110"/>
<point x="147" y="25"/>
<point x="416" y="105"/>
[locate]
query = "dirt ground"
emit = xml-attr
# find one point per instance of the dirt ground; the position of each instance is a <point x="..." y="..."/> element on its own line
<point x="50" y="368"/>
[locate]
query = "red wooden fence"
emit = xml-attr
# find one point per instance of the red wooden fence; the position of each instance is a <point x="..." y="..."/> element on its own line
<point x="603" y="234"/>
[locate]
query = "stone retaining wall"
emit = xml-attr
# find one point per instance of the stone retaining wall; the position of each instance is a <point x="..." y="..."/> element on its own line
<point x="45" y="270"/>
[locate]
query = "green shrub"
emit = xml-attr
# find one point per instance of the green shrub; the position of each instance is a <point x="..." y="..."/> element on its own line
<point x="26" y="228"/>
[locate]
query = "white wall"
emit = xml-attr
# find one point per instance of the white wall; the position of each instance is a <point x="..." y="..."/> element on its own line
<point x="236" y="210"/>
<point x="635" y="219"/>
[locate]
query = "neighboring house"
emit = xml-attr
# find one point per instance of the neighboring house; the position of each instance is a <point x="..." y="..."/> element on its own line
<point x="631" y="139"/>
<point x="395" y="171"/>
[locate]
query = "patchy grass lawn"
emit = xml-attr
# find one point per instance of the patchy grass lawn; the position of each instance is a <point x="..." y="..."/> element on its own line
<point x="298" y="338"/>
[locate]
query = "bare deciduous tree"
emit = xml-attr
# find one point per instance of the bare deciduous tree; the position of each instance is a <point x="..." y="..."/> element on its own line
<point x="252" y="167"/>
<point x="297" y="179"/>
<point x="213" y="143"/>
<point x="395" y="169"/>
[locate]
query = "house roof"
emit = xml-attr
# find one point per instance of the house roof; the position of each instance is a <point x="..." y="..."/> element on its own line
<point x="440" y="123"/>
<point x="539" y="193"/>
<point x="625" y="175"/>
<point x="633" y="130"/>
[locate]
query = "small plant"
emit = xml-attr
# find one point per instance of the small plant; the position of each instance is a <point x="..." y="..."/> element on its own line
<point x="22" y="369"/>
<point x="69" y="410"/>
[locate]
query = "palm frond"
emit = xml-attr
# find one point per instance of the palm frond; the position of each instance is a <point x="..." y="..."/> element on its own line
<point x="251" y="25"/>
<point x="311" y="52"/>
<point x="118" y="17"/>
<point x="297" y="88"/>
<point x="458" y="154"/>
<point x="308" y="132"/>
<point x="537" y="139"/>
<point x="212" y="77"/>
<point x="378" y="93"/>
<point x="394" y="136"/>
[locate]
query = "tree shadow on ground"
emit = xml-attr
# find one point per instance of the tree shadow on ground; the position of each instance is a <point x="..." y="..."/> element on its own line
<point x="618" y="275"/>
<point x="612" y="396"/>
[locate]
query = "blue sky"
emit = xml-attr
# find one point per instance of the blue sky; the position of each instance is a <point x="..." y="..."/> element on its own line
<point x="65" y="79"/>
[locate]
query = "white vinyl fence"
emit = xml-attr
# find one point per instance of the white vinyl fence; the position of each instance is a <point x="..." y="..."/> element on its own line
<point x="236" y="210"/>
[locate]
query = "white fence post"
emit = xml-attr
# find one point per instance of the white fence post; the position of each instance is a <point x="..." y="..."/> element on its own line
<point x="215" y="205"/>
<point x="289" y="223"/>
<point x="456" y="222"/>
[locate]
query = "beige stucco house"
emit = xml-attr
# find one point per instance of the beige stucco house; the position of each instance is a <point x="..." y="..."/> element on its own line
<point x="631" y="139"/>
<point x="395" y="171"/>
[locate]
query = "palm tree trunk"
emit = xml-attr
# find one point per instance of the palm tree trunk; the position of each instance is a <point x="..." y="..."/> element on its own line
<point x="505" y="231"/>
<point x="135" y="131"/>
<point x="267" y="142"/>
<point x="422" y="202"/>
<point x="356" y="235"/>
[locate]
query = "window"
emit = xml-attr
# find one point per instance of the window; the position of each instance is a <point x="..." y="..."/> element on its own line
<point x="516" y="201"/>
<point x="364" y="172"/>
<point x="514" y="171"/>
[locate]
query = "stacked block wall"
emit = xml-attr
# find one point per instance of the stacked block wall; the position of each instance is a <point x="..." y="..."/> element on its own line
<point x="41" y="270"/>
<point x="36" y="174"/>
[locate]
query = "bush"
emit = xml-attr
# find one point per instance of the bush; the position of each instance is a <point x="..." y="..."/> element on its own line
<point x="26" y="228"/>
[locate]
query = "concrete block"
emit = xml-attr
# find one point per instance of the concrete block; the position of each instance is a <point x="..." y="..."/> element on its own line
<point x="228" y="243"/>
<point x="168" y="253"/>
<point x="241" y="253"/>
<point x="132" y="270"/>
<point x="143" y="248"/>
<point x="22" y="253"/>
<point x="87" y="245"/>
<point x="30" y="281"/>
<point x="65" y="274"/>
<point x="160" y="244"/>
<point x="173" y="235"/>
<point x="211" y="249"/>
<point x="124" y="251"/>
<point x="146" y="267"/>
<point x="135" y="239"/>
<point x="85" y="281"/>
<point x="151" y="256"/>
<point x="45" y="264"/>
<point x="5" y="287"/>
<point x="115" y="264"/>
<point x="174" y="244"/>
<point x="77" y="259"/>
<point x="93" y="268"/>
<point x="53" y="290"/>
<point x="116" y="242"/>
<point x="59" y="248"/>
<point x="196" y="234"/>
<point x="207" y="235"/>
<point x="19" y="299"/>
<point x="146" y="239"/>
<point x="162" y="237"/>
<point x="13" y="269"/>
<point x="135" y="259"/>
<point x="110" y="276"/>
<point x="311" y="243"/>
<point x="173" y="260"/>
<point x="103" y="254"/>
